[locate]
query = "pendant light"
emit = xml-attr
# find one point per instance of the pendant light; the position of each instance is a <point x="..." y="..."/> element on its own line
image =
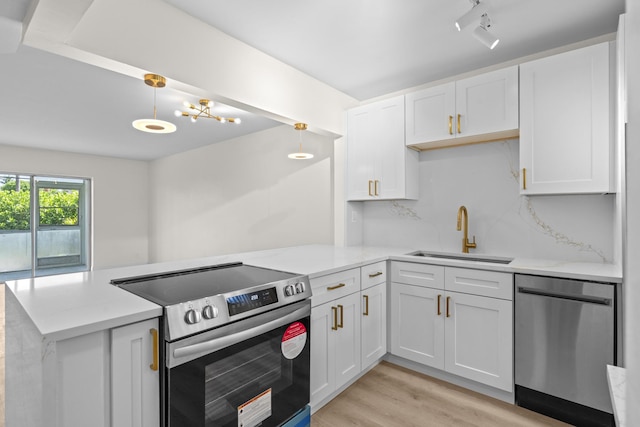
<point x="300" y="155"/>
<point x="154" y="125"/>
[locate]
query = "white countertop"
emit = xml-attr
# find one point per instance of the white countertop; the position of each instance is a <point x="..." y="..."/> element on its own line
<point x="68" y="305"/>
<point x="617" y="379"/>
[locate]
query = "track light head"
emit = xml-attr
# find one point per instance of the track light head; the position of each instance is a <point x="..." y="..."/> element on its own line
<point x="482" y="33"/>
<point x="474" y="14"/>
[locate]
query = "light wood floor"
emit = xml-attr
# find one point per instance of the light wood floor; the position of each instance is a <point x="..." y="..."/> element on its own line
<point x="389" y="396"/>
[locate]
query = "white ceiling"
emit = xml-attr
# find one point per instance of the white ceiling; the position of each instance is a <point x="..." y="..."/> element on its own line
<point x="368" y="48"/>
<point x="364" y="48"/>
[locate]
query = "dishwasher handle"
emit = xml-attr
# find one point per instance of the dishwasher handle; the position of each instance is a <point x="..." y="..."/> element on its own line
<point x="559" y="295"/>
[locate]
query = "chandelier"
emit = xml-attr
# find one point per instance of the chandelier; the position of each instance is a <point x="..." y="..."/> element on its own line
<point x="203" y="109"/>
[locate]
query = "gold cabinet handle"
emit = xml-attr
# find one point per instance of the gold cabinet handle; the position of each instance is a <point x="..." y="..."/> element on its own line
<point x="333" y="288"/>
<point x="154" y="362"/>
<point x="366" y="305"/>
<point x="370" y="182"/>
<point x="450" y="125"/>
<point x="524" y="178"/>
<point x="375" y="187"/>
<point x="459" y="130"/>
<point x="341" y="324"/>
<point x="376" y="274"/>
<point x="448" y="314"/>
<point x="334" y="327"/>
<point x="439" y="310"/>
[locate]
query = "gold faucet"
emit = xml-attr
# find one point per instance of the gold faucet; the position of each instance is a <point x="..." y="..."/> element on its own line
<point x="466" y="244"/>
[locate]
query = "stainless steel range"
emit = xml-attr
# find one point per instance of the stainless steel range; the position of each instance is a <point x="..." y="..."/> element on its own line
<point x="236" y="344"/>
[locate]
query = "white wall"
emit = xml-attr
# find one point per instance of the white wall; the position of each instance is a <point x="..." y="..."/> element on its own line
<point x="632" y="253"/>
<point x="242" y="194"/>
<point x="120" y="201"/>
<point x="484" y="178"/>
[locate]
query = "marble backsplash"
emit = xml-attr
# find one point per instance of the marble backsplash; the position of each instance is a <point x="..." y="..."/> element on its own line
<point x="485" y="179"/>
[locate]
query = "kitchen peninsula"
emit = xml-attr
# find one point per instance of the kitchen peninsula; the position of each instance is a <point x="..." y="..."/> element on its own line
<point x="44" y="312"/>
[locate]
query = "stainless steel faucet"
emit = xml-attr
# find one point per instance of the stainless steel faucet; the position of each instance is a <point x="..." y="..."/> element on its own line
<point x="466" y="244"/>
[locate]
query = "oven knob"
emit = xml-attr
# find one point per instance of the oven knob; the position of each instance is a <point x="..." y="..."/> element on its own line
<point x="192" y="317"/>
<point x="210" y="312"/>
<point x="299" y="288"/>
<point x="289" y="290"/>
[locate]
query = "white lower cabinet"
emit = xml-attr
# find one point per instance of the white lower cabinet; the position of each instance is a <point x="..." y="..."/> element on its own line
<point x="135" y="383"/>
<point x="464" y="334"/>
<point x="335" y="345"/>
<point x="478" y="341"/>
<point x="374" y="324"/>
<point x="348" y="327"/>
<point x="417" y="331"/>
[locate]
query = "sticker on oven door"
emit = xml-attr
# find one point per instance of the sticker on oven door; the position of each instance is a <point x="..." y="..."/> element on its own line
<point x="294" y="340"/>
<point x="253" y="412"/>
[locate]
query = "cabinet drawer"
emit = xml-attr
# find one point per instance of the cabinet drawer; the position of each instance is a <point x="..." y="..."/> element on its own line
<point x="336" y="285"/>
<point x="373" y="274"/>
<point x="431" y="276"/>
<point x="479" y="282"/>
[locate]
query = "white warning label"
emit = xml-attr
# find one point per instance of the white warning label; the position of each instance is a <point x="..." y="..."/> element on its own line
<point x="293" y="340"/>
<point x="256" y="410"/>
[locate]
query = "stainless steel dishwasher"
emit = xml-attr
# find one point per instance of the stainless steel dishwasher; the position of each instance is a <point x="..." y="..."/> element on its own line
<point x="565" y="335"/>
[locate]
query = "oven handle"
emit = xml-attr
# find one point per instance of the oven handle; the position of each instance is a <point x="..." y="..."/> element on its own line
<point x="228" y="340"/>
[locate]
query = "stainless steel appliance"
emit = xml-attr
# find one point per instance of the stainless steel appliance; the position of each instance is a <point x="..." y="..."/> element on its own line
<point x="565" y="335"/>
<point x="236" y="349"/>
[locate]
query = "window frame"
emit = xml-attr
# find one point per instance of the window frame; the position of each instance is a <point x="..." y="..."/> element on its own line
<point x="84" y="186"/>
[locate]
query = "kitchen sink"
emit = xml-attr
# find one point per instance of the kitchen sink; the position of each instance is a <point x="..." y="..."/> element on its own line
<point x="462" y="257"/>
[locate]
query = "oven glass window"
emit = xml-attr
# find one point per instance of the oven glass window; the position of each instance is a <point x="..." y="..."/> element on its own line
<point x="253" y="383"/>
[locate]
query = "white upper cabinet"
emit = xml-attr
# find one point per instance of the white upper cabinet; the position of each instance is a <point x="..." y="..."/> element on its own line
<point x="565" y="123"/>
<point x="476" y="109"/>
<point x="379" y="166"/>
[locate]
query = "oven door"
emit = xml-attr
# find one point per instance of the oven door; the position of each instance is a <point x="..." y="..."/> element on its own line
<point x="254" y="372"/>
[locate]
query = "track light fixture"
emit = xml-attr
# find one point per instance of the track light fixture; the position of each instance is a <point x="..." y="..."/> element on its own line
<point x="203" y="109"/>
<point x="473" y="15"/>
<point x="482" y="33"/>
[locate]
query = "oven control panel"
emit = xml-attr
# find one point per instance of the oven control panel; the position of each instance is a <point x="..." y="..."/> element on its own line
<point x="211" y="312"/>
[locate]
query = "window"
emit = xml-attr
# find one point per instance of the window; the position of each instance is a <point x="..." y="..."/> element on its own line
<point x="44" y="225"/>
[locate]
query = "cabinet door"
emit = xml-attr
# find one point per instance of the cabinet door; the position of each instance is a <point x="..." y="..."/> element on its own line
<point x="417" y="326"/>
<point x="374" y="324"/>
<point x="360" y="153"/>
<point x="565" y="129"/>
<point x="135" y="384"/>
<point x="347" y="339"/>
<point x="430" y="114"/>
<point x="487" y="103"/>
<point x="479" y="339"/>
<point x="390" y="166"/>
<point x="322" y="359"/>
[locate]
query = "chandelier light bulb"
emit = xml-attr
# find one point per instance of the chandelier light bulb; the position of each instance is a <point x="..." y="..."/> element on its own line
<point x="193" y="119"/>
